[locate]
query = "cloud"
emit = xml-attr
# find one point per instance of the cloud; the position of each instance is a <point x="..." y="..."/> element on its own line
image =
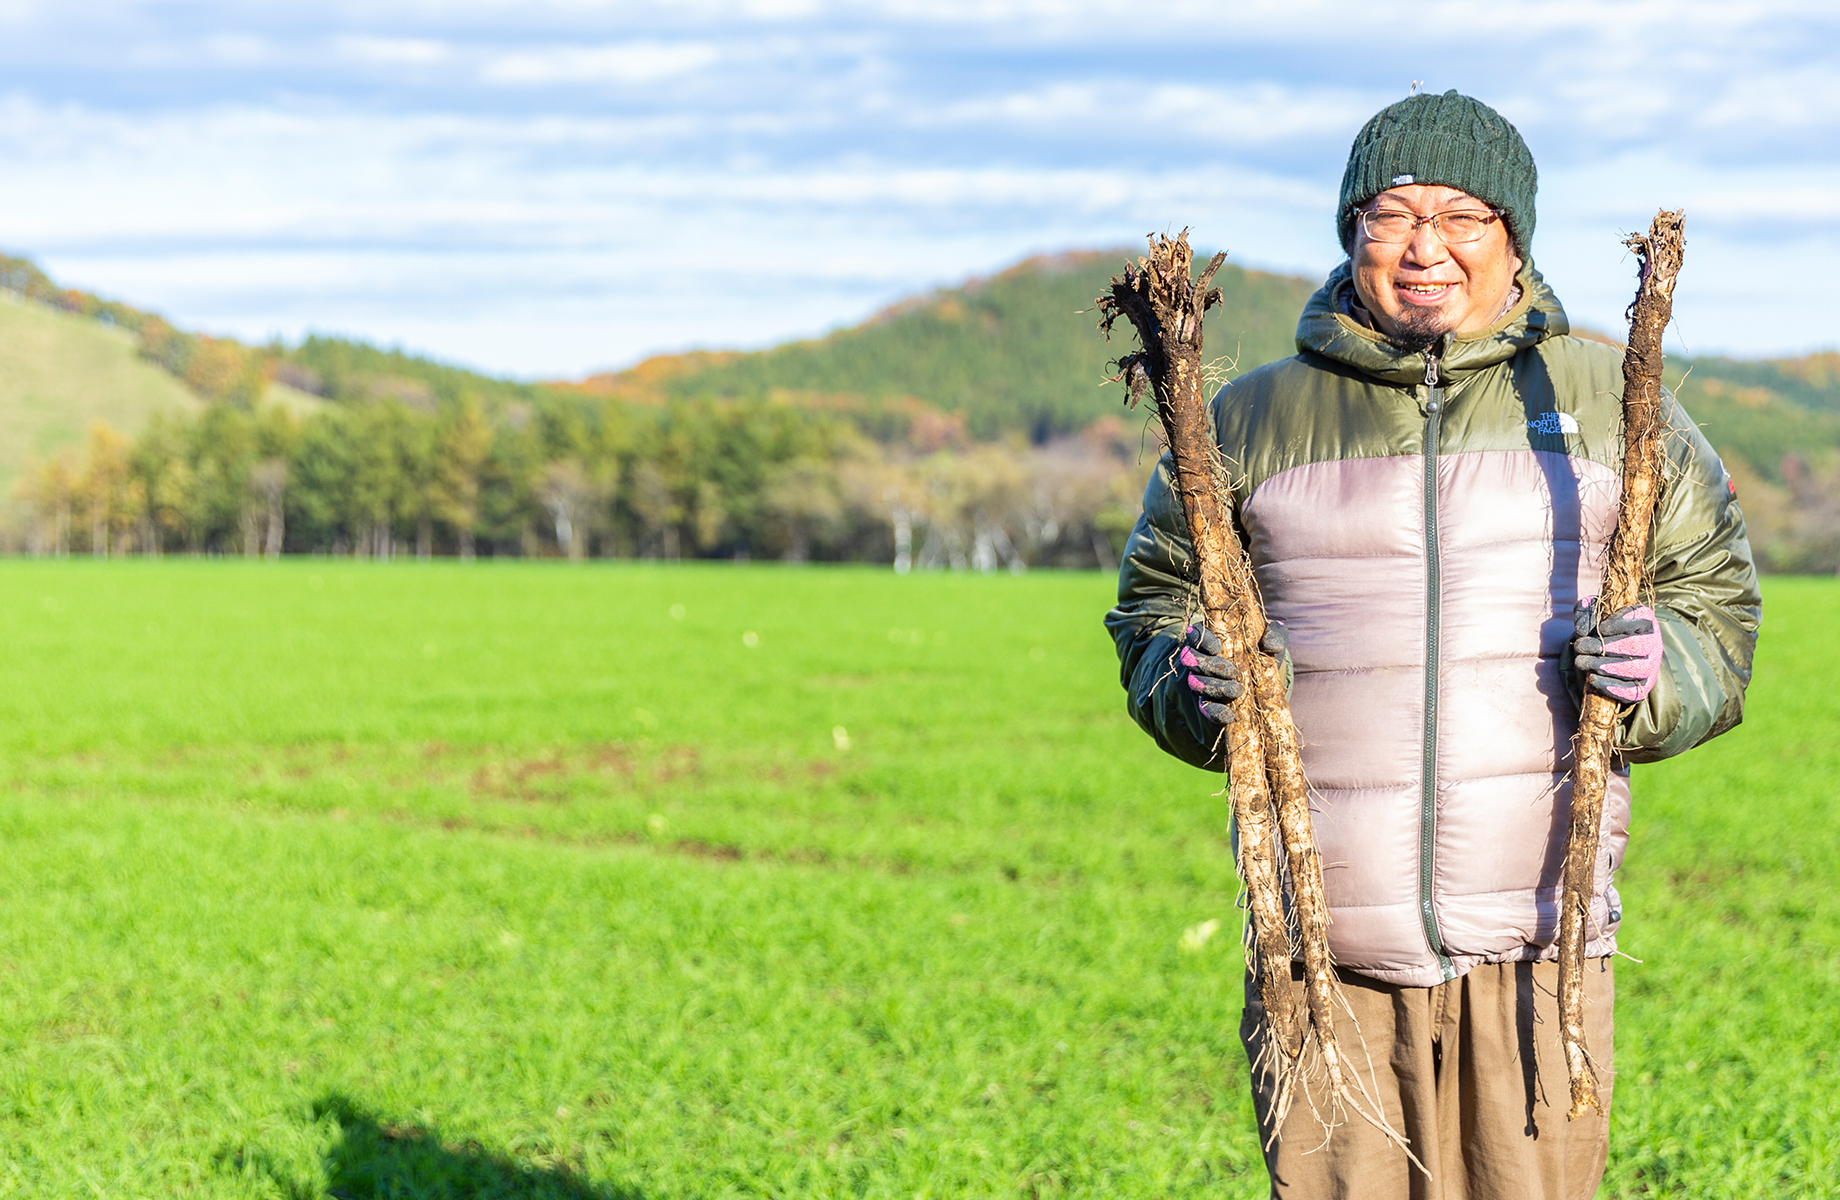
<point x="242" y="50"/>
<point x="1240" y="114"/>
<point x="479" y="177"/>
<point x="1779" y="104"/>
<point x="407" y="51"/>
<point x="631" y="62"/>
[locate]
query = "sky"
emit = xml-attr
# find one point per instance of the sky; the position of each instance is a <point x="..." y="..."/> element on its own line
<point x="547" y="188"/>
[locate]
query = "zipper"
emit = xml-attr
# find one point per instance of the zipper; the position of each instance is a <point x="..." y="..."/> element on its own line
<point x="1427" y="817"/>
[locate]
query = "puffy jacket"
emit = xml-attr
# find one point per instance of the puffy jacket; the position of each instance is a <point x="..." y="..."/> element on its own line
<point x="1423" y="524"/>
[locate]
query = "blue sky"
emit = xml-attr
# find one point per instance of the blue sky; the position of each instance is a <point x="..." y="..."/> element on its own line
<point x="547" y="188"/>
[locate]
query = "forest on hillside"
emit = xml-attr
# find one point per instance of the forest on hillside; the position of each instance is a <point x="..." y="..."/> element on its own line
<point x="582" y="479"/>
<point x="967" y="428"/>
<point x="686" y="457"/>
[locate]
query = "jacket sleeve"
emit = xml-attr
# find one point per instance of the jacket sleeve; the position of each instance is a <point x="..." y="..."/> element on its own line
<point x="1157" y="594"/>
<point x="1705" y="599"/>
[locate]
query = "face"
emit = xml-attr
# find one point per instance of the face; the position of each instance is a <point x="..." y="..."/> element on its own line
<point x="1421" y="289"/>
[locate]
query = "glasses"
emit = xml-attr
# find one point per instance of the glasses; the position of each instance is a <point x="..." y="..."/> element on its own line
<point x="1454" y="228"/>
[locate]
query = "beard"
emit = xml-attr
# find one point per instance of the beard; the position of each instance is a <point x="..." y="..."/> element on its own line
<point x="1419" y="330"/>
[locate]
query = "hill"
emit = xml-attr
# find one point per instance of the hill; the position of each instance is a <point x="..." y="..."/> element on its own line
<point x="1017" y="352"/>
<point x="1013" y="355"/>
<point x="1811" y="381"/>
<point x="69" y="358"/>
<point x="59" y="372"/>
<point x="949" y="419"/>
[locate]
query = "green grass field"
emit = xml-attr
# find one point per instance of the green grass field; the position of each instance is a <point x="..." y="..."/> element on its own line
<point x="676" y="883"/>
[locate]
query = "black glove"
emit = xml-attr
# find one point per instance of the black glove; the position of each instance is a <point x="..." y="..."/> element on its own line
<point x="1211" y="679"/>
<point x="1619" y="655"/>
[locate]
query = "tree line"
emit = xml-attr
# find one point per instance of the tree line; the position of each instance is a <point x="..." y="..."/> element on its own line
<point x="577" y="476"/>
<point x="812" y="450"/>
<point x="387" y="454"/>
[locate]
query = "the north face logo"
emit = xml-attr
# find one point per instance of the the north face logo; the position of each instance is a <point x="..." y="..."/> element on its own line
<point x="1554" y="422"/>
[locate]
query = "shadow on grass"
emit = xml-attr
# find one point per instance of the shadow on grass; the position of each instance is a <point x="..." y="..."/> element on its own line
<point x="378" y="1159"/>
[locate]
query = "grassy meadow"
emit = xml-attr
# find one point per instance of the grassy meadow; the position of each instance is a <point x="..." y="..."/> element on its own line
<point x="59" y="372"/>
<point x="637" y="882"/>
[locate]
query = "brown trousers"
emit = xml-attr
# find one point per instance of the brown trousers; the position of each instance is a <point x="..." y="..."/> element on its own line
<point x="1470" y="1071"/>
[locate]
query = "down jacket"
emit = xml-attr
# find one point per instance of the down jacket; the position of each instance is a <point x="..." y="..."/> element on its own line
<point x="1423" y="524"/>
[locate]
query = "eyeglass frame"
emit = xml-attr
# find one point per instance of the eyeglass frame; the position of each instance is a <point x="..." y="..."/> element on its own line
<point x="1361" y="215"/>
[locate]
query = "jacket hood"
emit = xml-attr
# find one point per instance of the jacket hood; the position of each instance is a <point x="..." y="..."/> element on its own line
<point x="1326" y="329"/>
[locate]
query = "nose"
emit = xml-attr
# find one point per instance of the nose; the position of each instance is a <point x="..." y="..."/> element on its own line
<point x="1426" y="248"/>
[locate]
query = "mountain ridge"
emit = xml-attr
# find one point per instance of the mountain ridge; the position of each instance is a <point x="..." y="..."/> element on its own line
<point x="1260" y="313"/>
<point x="1012" y="359"/>
<point x="1015" y="351"/>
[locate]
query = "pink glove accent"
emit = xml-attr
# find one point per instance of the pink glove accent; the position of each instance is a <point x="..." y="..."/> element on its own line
<point x="1643" y="665"/>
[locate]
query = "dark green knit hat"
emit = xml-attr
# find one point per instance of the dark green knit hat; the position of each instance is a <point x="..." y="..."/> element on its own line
<point x="1450" y="140"/>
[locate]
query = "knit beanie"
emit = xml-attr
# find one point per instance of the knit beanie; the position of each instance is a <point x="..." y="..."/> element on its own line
<point x="1450" y="140"/>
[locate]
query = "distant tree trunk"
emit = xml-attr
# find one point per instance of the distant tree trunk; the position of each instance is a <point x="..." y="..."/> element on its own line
<point x="59" y="509"/>
<point x="277" y="530"/>
<point x="269" y="479"/>
<point x="252" y="532"/>
<point x="933" y="552"/>
<point x="1007" y="549"/>
<point x="903" y="541"/>
<point x="466" y="543"/>
<point x="568" y="493"/>
<point x="983" y="546"/>
<point x="1102" y="550"/>
<point x="424" y="537"/>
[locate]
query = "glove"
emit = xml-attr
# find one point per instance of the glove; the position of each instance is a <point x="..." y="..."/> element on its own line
<point x="1618" y="656"/>
<point x="1211" y="679"/>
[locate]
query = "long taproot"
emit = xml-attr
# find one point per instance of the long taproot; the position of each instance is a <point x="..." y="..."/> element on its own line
<point x="1625" y="582"/>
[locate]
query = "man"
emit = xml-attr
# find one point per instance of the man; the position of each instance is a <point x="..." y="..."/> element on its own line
<point x="1426" y="491"/>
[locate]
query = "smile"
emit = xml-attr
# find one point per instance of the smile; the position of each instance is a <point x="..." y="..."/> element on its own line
<point x="1423" y="293"/>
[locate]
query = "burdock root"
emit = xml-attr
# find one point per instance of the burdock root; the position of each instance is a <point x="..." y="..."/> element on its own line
<point x="1166" y="304"/>
<point x="1625" y="582"/>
